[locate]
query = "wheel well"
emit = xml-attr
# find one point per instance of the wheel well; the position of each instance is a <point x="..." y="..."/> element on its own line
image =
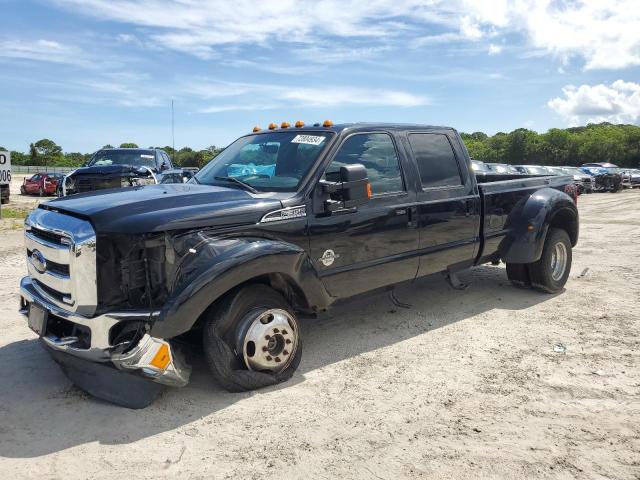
<point x="567" y="221"/>
<point x="280" y="282"/>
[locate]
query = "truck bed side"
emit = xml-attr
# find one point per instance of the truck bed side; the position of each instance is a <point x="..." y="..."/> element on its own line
<point x="503" y="203"/>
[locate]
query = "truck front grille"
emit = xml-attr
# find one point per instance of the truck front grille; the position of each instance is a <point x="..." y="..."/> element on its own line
<point x="61" y="259"/>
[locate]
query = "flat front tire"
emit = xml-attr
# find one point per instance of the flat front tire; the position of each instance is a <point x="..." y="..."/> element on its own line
<point x="252" y="339"/>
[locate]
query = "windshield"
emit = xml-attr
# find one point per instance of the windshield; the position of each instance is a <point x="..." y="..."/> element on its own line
<point x="132" y="157"/>
<point x="266" y="162"/>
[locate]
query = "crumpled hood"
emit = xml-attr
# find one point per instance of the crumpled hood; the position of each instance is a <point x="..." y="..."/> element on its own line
<point x="154" y="208"/>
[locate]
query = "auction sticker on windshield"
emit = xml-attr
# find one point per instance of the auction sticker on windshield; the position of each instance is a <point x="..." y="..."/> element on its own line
<point x="5" y="168"/>
<point x="308" y="139"/>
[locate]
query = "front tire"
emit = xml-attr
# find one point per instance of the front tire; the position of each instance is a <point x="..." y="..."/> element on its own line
<point x="252" y="339"/>
<point x="550" y="273"/>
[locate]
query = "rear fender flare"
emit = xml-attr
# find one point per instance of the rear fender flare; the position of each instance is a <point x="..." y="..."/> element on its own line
<point x="529" y="222"/>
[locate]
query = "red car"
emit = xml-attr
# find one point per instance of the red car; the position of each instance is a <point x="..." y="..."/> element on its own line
<point x="41" y="184"/>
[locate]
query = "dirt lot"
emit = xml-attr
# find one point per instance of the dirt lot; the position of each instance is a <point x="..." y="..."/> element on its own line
<point x="460" y="385"/>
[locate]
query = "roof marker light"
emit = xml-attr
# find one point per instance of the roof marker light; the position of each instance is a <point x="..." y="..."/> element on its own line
<point x="272" y="126"/>
<point x="299" y="124"/>
<point x="327" y="123"/>
<point x="256" y="129"/>
<point x="285" y="125"/>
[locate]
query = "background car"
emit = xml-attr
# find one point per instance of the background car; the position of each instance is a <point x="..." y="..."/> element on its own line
<point x="607" y="176"/>
<point x="631" y="177"/>
<point x="479" y="168"/>
<point x="119" y="168"/>
<point x="532" y="170"/>
<point x="503" y="168"/>
<point x="585" y="182"/>
<point x="41" y="184"/>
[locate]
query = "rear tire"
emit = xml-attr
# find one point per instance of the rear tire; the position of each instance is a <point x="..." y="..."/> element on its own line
<point x="518" y="275"/>
<point x="550" y="273"/>
<point x="239" y="357"/>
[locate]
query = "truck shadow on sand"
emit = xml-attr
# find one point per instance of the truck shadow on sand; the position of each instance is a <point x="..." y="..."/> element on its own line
<point x="41" y="412"/>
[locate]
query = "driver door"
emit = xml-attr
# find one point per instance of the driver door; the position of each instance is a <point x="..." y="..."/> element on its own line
<point x="372" y="246"/>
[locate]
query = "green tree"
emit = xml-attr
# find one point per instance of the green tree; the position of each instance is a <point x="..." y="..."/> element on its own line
<point x="45" y="152"/>
<point x="108" y="145"/>
<point x="128" y="145"/>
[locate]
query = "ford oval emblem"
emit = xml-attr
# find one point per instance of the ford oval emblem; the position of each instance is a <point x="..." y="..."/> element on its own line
<point x="38" y="261"/>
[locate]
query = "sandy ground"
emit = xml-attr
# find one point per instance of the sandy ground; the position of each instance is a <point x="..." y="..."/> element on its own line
<point x="460" y="385"/>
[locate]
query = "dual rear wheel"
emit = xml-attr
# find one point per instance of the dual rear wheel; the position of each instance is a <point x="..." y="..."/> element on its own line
<point x="550" y="273"/>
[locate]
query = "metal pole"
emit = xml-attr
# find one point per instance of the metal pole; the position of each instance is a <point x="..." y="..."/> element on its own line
<point x="173" y="133"/>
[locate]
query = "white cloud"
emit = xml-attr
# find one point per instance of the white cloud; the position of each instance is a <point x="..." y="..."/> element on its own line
<point x="494" y="49"/>
<point x="281" y="96"/>
<point x="42" y="50"/>
<point x="616" y="103"/>
<point x="604" y="33"/>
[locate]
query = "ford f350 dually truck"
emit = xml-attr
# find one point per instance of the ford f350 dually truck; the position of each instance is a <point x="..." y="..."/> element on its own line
<point x="283" y="223"/>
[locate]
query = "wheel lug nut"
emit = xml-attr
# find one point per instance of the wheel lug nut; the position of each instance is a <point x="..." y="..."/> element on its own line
<point x="264" y="349"/>
<point x="287" y="341"/>
<point x="267" y="337"/>
<point x="278" y="359"/>
<point x="270" y="358"/>
<point x="284" y="332"/>
<point x="285" y="352"/>
<point x="275" y="330"/>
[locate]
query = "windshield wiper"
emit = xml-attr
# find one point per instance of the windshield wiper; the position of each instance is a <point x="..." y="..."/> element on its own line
<point x="244" y="185"/>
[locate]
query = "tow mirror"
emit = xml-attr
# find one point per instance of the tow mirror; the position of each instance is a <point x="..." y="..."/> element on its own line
<point x="351" y="189"/>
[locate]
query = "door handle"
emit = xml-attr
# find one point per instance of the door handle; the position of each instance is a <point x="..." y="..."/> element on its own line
<point x="413" y="217"/>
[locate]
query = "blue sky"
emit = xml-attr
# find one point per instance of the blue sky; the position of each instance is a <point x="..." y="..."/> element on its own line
<point x="89" y="72"/>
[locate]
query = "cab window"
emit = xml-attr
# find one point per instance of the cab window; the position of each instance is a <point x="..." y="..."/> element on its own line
<point x="436" y="161"/>
<point x="377" y="153"/>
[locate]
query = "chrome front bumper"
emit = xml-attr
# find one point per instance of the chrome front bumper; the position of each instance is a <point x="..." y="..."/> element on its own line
<point x="143" y="358"/>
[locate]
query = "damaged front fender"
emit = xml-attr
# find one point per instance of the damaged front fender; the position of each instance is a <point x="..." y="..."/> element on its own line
<point x="207" y="267"/>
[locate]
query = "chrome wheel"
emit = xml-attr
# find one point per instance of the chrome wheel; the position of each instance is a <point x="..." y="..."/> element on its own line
<point x="558" y="261"/>
<point x="271" y="341"/>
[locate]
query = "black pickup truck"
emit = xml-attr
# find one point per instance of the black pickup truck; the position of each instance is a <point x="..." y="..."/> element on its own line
<point x="283" y="223"/>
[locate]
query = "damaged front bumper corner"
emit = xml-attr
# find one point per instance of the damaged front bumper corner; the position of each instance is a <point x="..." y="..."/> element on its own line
<point x="156" y="359"/>
<point x="89" y="339"/>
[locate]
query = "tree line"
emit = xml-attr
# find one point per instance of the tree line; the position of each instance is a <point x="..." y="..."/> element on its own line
<point x="47" y="153"/>
<point x="602" y="142"/>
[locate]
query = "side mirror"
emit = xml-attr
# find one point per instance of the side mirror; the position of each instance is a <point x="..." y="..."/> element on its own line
<point x="351" y="191"/>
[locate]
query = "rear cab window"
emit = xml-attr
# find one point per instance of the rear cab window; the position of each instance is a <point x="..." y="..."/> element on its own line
<point x="437" y="163"/>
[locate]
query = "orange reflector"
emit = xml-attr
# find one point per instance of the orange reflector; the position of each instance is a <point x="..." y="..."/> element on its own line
<point x="272" y="126"/>
<point x="256" y="129"/>
<point x="162" y="357"/>
<point x="327" y="123"/>
<point x="299" y="124"/>
<point x="285" y="125"/>
<point x="369" y="190"/>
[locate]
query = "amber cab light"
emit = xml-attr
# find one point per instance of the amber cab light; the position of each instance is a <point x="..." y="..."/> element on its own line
<point x="299" y="124"/>
<point x="256" y="129"/>
<point x="272" y="126"/>
<point x="285" y="125"/>
<point x="327" y="123"/>
<point x="369" y="190"/>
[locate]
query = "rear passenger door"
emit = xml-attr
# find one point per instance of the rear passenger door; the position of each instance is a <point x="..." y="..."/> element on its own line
<point x="374" y="245"/>
<point x="448" y="203"/>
